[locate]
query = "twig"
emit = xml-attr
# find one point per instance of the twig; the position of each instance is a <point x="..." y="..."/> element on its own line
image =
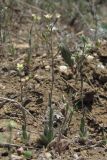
<point x="69" y="84"/>
<point x="7" y="145"/>
<point x="98" y="144"/>
<point x="19" y="105"/>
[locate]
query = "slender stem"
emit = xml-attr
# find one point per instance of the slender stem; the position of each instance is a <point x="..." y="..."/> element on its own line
<point x="30" y="47"/>
<point x="94" y="14"/>
<point x="82" y="103"/>
<point x="95" y="20"/>
<point x="23" y="111"/>
<point x="82" y="82"/>
<point x="52" y="57"/>
<point x="10" y="139"/>
<point x="21" y="91"/>
<point x="52" y="63"/>
<point x="52" y="83"/>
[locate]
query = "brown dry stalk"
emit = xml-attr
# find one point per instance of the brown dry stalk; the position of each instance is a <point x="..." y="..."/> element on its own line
<point x="19" y="106"/>
<point x="7" y="145"/>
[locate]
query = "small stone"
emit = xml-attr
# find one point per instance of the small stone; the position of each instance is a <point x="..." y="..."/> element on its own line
<point x="20" y="150"/>
<point x="48" y="155"/>
<point x="100" y="66"/>
<point x="2" y="86"/>
<point x="15" y="157"/>
<point x="39" y="77"/>
<point x="90" y="58"/>
<point x="63" y="69"/>
<point x="47" y="68"/>
<point x="44" y="55"/>
<point x="76" y="157"/>
<point x="59" y="57"/>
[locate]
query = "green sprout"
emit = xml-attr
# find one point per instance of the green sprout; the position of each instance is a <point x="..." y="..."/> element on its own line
<point x="48" y="134"/>
<point x="83" y="131"/>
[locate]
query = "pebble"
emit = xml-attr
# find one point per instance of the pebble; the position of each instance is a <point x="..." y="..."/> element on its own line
<point x="47" y="68"/>
<point x="15" y="157"/>
<point x="63" y="69"/>
<point x="100" y="66"/>
<point x="90" y="58"/>
<point x="76" y="157"/>
<point x="48" y="155"/>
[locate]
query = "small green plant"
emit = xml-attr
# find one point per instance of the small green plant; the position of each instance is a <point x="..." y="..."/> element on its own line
<point x="104" y="137"/>
<point x="76" y="63"/>
<point x="83" y="131"/>
<point x="32" y="41"/>
<point x="47" y="36"/>
<point x="66" y="54"/>
<point x="10" y="127"/>
<point x="12" y="50"/>
<point x="27" y="154"/>
<point x="69" y="111"/>
<point x="20" y="69"/>
<point x="25" y="136"/>
<point x="3" y="14"/>
<point x="29" y="53"/>
<point x="48" y="134"/>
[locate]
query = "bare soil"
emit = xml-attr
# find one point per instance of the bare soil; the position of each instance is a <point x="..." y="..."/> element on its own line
<point x="35" y="98"/>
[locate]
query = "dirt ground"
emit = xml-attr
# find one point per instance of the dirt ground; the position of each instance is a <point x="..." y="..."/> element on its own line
<point x="36" y="88"/>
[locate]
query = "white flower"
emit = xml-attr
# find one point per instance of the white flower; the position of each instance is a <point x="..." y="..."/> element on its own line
<point x="20" y="66"/>
<point x="36" y="17"/>
<point x="48" y="16"/>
